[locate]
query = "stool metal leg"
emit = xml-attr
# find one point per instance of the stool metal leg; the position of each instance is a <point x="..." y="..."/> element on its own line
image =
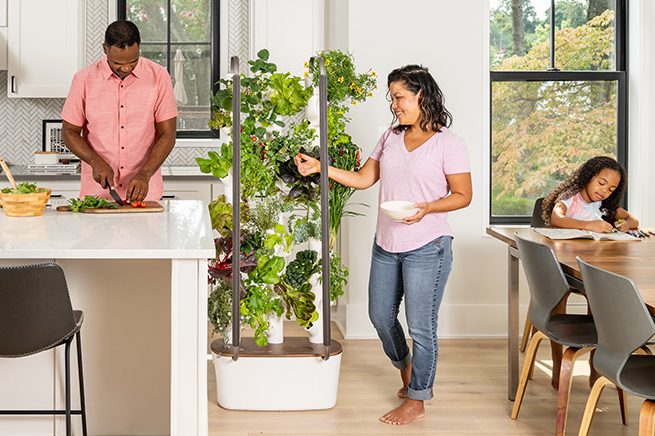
<point x="81" y="381"/>
<point x="68" y="387"/>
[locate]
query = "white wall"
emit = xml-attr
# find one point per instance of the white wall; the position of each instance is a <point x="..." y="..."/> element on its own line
<point x="449" y="37"/>
<point x="293" y="30"/>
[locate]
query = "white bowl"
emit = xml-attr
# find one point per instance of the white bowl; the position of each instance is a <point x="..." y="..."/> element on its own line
<point x="398" y="210"/>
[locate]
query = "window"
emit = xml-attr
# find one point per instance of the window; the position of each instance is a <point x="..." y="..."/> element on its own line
<point x="558" y="95"/>
<point x="187" y="45"/>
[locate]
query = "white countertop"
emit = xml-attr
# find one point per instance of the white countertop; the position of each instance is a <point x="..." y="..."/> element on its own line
<point x="182" y="231"/>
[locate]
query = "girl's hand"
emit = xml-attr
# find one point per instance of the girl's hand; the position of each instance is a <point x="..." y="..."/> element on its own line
<point x="418" y="216"/>
<point x="599" y="226"/>
<point x="306" y="164"/>
<point x="621" y="225"/>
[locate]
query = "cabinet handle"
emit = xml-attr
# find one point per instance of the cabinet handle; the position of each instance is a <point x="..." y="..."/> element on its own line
<point x="13" y="91"/>
<point x="167" y="197"/>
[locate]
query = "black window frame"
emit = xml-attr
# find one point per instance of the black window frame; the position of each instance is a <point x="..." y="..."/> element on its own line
<point x="618" y="75"/>
<point x="214" y="58"/>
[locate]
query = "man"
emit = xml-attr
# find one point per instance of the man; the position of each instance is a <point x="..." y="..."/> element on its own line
<point x="119" y="119"/>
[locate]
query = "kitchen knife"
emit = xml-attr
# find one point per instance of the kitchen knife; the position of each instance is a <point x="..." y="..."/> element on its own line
<point x="116" y="197"/>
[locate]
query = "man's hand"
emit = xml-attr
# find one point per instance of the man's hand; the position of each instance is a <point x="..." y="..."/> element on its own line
<point x="102" y="173"/>
<point x="138" y="187"/>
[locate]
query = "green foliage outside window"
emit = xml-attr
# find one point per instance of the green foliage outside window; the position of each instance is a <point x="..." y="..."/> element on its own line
<point x="542" y="131"/>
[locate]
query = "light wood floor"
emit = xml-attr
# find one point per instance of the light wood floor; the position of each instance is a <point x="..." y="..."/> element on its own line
<point x="470" y="397"/>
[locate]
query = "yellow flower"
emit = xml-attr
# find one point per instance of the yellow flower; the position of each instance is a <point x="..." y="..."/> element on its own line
<point x="305" y="64"/>
<point x="373" y="73"/>
<point x="354" y="103"/>
<point x="327" y="62"/>
<point x="340" y="79"/>
<point x="353" y="85"/>
<point x="370" y="94"/>
<point x="306" y="73"/>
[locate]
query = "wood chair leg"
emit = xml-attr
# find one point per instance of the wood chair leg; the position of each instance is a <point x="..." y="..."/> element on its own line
<point x="564" y="391"/>
<point x="527" y="329"/>
<point x="530" y="355"/>
<point x="593" y="374"/>
<point x="555" y="348"/>
<point x="556" y="351"/>
<point x="623" y="403"/>
<point x="532" y="333"/>
<point x="646" y="421"/>
<point x="590" y="408"/>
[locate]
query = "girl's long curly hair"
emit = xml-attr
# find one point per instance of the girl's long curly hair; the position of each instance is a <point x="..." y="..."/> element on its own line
<point x="580" y="178"/>
<point x="431" y="101"/>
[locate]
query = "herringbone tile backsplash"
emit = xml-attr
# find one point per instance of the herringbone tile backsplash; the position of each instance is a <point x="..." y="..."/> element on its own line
<point x="21" y="118"/>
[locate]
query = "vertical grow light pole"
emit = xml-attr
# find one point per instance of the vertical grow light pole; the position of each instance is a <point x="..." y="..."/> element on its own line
<point x="325" y="220"/>
<point x="236" y="204"/>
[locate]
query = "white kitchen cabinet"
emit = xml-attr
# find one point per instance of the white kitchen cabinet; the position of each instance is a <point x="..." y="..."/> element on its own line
<point x="3" y="47"/>
<point x="3" y="13"/>
<point x="203" y="190"/>
<point x="187" y="190"/>
<point x="44" y="46"/>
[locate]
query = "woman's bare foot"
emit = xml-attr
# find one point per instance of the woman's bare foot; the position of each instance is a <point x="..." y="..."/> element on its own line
<point x="407" y="412"/>
<point x="405" y="376"/>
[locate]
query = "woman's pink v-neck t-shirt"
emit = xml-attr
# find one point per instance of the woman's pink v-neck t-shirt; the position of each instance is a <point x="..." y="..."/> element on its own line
<point x="418" y="176"/>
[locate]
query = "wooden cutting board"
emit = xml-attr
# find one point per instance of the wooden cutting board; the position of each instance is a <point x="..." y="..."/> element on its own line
<point x="151" y="206"/>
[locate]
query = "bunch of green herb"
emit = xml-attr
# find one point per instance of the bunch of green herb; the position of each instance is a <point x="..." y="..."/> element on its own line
<point x="90" y="202"/>
<point x="255" y="307"/>
<point x="219" y="308"/>
<point x="24" y="188"/>
<point x="295" y="288"/>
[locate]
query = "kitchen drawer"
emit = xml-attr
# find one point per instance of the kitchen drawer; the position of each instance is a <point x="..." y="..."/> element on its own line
<point x="187" y="190"/>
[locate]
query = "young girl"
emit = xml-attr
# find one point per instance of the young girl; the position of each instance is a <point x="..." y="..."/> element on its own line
<point x="589" y="199"/>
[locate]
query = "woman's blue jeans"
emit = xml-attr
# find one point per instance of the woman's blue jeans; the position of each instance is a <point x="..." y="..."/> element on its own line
<point x="420" y="276"/>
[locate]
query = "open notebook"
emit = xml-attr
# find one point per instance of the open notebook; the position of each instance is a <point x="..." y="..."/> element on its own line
<point x="584" y="234"/>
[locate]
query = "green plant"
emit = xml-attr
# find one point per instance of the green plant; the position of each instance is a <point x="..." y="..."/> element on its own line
<point x="270" y="136"/>
<point x="24" y="188"/>
<point x="219" y="308"/>
<point x="296" y="290"/>
<point x="345" y="87"/>
<point x="90" y="202"/>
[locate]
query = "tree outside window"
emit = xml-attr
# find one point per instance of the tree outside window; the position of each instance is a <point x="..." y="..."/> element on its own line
<point x="558" y="95"/>
<point x="182" y="36"/>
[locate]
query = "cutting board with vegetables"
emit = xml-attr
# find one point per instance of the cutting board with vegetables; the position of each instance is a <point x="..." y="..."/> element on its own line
<point x="148" y="206"/>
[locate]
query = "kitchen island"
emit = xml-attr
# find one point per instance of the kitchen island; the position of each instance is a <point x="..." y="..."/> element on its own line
<point x="141" y="280"/>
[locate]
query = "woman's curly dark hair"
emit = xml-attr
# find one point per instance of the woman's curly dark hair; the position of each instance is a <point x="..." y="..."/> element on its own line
<point x="580" y="179"/>
<point x="431" y="101"/>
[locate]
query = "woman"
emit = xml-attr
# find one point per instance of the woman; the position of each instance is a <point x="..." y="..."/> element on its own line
<point x="418" y="160"/>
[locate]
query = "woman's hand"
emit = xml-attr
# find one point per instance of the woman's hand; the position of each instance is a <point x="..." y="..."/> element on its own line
<point x="599" y="226"/>
<point x="423" y="210"/>
<point x="306" y="164"/>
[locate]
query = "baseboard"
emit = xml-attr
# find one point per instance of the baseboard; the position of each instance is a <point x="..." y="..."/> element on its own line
<point x="456" y="321"/>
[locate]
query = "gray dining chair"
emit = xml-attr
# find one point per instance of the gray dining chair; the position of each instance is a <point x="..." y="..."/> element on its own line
<point x="36" y="315"/>
<point x="535" y="221"/>
<point x="548" y="288"/>
<point x="624" y="326"/>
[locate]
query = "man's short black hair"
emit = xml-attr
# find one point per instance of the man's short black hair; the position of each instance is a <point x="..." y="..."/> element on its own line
<point x="121" y="34"/>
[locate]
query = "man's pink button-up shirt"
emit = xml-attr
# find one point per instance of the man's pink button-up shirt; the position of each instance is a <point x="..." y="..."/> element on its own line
<point x="118" y="119"/>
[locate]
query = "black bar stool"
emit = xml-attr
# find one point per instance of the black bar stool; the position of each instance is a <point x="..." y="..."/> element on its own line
<point x="36" y="315"/>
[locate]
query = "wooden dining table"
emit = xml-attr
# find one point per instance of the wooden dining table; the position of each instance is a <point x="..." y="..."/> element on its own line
<point x="633" y="259"/>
